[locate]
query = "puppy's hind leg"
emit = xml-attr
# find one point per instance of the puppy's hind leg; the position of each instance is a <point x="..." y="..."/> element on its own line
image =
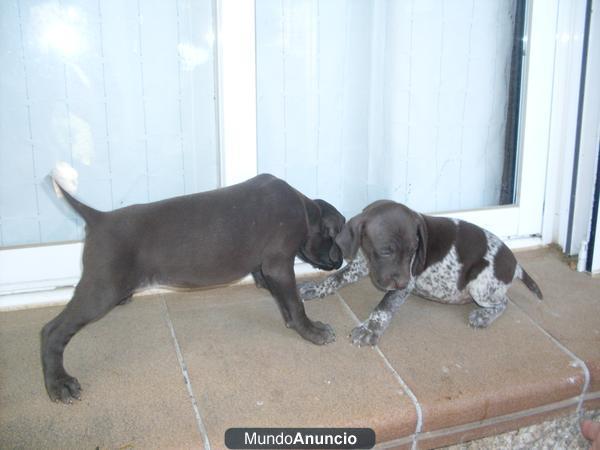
<point x="488" y="311"/>
<point x="259" y="279"/>
<point x="93" y="298"/>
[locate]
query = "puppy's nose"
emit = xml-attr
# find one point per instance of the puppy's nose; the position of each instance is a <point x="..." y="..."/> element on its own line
<point x="394" y="286"/>
<point x="397" y="284"/>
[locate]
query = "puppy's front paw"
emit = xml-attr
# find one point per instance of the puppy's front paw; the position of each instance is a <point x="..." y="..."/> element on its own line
<point x="363" y="335"/>
<point x="318" y="333"/>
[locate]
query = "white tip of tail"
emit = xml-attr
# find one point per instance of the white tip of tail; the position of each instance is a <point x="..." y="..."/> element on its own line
<point x="66" y="176"/>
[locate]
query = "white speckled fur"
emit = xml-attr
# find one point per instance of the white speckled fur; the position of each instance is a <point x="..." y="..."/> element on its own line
<point x="380" y="316"/>
<point x="439" y="281"/>
<point x="379" y="319"/>
<point x="369" y="332"/>
<point x="518" y="272"/>
<point x="486" y="289"/>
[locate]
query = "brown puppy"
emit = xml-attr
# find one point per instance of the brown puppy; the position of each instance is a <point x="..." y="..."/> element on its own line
<point x="438" y="258"/>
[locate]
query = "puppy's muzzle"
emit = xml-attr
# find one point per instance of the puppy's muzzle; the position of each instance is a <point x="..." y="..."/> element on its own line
<point x="331" y="265"/>
<point x="323" y="264"/>
<point x="394" y="283"/>
<point x="336" y="264"/>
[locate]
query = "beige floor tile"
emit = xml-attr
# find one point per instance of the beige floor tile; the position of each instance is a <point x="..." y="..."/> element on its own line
<point x="248" y="370"/>
<point x="133" y="392"/>
<point x="570" y="310"/>
<point x="462" y="375"/>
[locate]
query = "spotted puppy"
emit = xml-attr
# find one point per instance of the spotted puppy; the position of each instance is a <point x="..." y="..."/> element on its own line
<point x="441" y="259"/>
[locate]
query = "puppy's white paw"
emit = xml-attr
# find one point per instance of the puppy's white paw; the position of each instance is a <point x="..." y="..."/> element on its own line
<point x="363" y="335"/>
<point x="481" y="318"/>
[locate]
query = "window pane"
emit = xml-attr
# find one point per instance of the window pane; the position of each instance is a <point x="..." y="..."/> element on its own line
<point x="123" y="91"/>
<point x="407" y="100"/>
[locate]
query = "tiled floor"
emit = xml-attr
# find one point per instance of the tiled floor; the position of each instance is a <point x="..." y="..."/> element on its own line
<point x="433" y="380"/>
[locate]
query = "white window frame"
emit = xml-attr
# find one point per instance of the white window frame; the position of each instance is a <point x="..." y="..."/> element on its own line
<point x="522" y="221"/>
<point x="524" y="224"/>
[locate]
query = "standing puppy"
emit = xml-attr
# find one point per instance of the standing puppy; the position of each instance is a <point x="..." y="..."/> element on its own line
<point x="441" y="259"/>
<point x="215" y="237"/>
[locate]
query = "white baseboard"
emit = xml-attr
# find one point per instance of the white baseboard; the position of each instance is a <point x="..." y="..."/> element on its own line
<point x="61" y="296"/>
<point x="38" y="299"/>
<point x="527" y="243"/>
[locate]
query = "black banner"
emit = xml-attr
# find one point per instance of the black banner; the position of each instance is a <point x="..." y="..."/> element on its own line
<point x="300" y="438"/>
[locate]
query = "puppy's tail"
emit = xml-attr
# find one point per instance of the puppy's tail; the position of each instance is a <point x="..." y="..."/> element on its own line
<point x="64" y="179"/>
<point x="528" y="281"/>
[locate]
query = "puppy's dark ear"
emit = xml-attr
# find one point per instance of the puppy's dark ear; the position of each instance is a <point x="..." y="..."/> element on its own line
<point x="349" y="239"/>
<point x="421" y="254"/>
<point x="313" y="214"/>
<point x="331" y="219"/>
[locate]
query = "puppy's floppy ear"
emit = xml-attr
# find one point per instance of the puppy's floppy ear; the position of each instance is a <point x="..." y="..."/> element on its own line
<point x="313" y="214"/>
<point x="350" y="237"/>
<point x="331" y="219"/>
<point x="421" y="253"/>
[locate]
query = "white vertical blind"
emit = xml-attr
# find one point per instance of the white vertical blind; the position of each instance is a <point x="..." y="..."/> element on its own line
<point x="398" y="99"/>
<point x="124" y="91"/>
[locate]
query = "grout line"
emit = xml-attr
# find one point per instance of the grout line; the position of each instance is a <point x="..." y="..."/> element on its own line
<point x="578" y="361"/>
<point x="406" y="389"/>
<point x="188" y="383"/>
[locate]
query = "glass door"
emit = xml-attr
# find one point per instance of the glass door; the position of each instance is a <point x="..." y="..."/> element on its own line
<point x="125" y="92"/>
<point x="434" y="104"/>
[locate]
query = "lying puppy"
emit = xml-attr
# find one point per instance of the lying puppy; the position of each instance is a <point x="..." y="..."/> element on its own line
<point x="258" y="227"/>
<point x="441" y="259"/>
